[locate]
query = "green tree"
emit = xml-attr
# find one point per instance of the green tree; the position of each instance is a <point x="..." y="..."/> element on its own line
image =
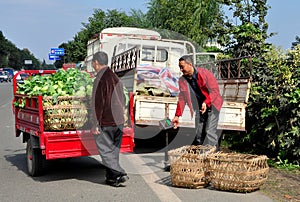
<point x="139" y="19"/>
<point x="295" y="43"/>
<point x="4" y="50"/>
<point x="115" y="18"/>
<point x="11" y="56"/>
<point x="247" y="27"/>
<point x="276" y="132"/>
<point x="95" y="23"/>
<point x="192" y="18"/>
<point x="274" y="91"/>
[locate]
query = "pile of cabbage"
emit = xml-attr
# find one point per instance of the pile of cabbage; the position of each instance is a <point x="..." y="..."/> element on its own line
<point x="65" y="94"/>
<point x="70" y="82"/>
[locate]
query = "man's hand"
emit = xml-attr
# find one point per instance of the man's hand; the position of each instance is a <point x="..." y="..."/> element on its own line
<point x="95" y="130"/>
<point x="175" y="121"/>
<point x="203" y="108"/>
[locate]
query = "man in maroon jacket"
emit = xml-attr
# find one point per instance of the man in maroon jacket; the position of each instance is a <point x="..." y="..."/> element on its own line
<point x="108" y="118"/>
<point x="200" y="91"/>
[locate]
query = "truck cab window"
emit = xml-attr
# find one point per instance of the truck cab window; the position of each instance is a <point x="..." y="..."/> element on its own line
<point x="148" y="54"/>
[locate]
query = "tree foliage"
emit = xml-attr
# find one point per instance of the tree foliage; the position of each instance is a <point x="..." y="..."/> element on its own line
<point x="11" y="56"/>
<point x="246" y="27"/>
<point x="192" y="18"/>
<point x="275" y="87"/>
<point x="274" y="109"/>
<point x="295" y="43"/>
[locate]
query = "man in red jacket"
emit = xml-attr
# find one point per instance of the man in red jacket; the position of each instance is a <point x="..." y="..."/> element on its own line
<point x="200" y="91"/>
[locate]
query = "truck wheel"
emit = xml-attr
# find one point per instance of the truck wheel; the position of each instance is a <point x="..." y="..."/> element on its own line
<point x="34" y="160"/>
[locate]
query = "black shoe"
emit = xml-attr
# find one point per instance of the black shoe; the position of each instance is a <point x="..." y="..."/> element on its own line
<point x="123" y="178"/>
<point x="112" y="182"/>
<point x="117" y="182"/>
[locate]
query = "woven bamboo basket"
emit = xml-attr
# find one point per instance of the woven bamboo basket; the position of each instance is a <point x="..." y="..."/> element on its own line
<point x="64" y="112"/>
<point x="188" y="166"/>
<point x="237" y="172"/>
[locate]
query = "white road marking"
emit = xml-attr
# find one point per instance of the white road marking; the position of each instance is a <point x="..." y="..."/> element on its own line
<point x="134" y="164"/>
<point x="163" y="192"/>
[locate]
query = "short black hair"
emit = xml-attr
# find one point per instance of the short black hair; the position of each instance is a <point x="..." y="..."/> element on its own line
<point x="187" y="58"/>
<point x="101" y="57"/>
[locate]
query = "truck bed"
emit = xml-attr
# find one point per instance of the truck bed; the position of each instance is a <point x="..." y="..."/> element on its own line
<point x="149" y="110"/>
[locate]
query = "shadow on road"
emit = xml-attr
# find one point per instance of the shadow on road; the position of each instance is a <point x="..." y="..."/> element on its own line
<point x="81" y="168"/>
<point x="18" y="161"/>
<point x="165" y="181"/>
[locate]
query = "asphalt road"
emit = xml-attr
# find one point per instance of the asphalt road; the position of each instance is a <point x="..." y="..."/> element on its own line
<point x="82" y="179"/>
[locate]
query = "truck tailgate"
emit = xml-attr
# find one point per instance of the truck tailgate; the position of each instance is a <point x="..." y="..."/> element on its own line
<point x="149" y="110"/>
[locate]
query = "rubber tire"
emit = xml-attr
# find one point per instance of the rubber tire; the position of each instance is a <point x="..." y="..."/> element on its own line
<point x="34" y="159"/>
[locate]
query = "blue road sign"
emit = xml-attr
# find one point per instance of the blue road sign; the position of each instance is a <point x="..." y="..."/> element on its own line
<point x="53" y="57"/>
<point x="57" y="51"/>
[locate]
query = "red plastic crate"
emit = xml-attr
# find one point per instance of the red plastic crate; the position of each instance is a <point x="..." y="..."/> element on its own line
<point x="127" y="140"/>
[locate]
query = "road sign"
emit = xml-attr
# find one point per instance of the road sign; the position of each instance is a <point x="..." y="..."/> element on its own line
<point x="53" y="57"/>
<point x="57" y="51"/>
<point x="28" y="62"/>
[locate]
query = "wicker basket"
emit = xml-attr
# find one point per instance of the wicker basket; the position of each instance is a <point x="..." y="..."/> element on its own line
<point x="237" y="172"/>
<point x="188" y="166"/>
<point x="64" y="112"/>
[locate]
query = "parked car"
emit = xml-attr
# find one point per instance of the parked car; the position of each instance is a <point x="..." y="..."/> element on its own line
<point x="4" y="76"/>
<point x="10" y="72"/>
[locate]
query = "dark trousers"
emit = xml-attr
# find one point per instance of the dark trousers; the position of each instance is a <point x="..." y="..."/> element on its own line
<point x="108" y="144"/>
<point x="206" y="128"/>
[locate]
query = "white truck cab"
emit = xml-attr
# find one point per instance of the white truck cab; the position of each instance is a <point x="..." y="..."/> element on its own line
<point x="154" y="50"/>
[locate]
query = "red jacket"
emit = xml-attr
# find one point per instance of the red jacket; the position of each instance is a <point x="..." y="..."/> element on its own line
<point x="208" y="86"/>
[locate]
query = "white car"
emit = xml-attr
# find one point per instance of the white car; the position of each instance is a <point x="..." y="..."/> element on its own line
<point x="4" y="76"/>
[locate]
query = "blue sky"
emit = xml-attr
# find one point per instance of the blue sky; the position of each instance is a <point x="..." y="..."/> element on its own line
<point x="42" y="24"/>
